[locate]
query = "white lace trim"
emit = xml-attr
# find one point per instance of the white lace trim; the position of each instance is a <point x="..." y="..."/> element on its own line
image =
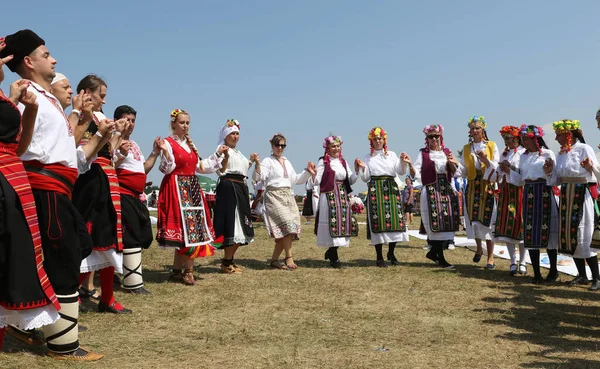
<point x="28" y="319"/>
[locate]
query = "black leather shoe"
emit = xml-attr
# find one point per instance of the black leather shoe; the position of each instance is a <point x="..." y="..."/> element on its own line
<point x="537" y="279"/>
<point x="103" y="307"/>
<point x="579" y="280"/>
<point x="138" y="291"/>
<point x="381" y="263"/>
<point x="336" y="264"/>
<point x="392" y="259"/>
<point x="595" y="285"/>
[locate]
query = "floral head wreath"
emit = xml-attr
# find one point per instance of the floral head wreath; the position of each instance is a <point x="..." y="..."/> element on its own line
<point x="531" y="132"/>
<point x="378" y="132"/>
<point x="175" y="113"/>
<point x="534" y="133"/>
<point x="566" y="126"/>
<point x="477" y="120"/>
<point x="331" y="140"/>
<point x="232" y="122"/>
<point x="433" y="129"/>
<point x="510" y="131"/>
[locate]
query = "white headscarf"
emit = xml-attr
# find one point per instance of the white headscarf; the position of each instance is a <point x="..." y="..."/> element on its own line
<point x="59" y="77"/>
<point x="232" y="125"/>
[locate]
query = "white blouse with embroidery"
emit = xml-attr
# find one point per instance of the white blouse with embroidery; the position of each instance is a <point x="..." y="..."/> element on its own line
<point x="276" y="175"/>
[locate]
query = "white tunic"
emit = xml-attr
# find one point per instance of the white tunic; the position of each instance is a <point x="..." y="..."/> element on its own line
<point x="439" y="160"/>
<point x="275" y="175"/>
<point x="568" y="165"/>
<point x="496" y="175"/>
<point x="531" y="167"/>
<point x="324" y="239"/>
<point x="476" y="230"/>
<point x="383" y="165"/>
<point x="134" y="160"/>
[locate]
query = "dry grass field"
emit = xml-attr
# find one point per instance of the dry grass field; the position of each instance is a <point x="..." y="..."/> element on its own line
<point x="410" y="316"/>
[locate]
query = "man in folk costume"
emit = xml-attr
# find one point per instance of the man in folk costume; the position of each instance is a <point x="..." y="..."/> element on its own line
<point x="97" y="196"/>
<point x="574" y="170"/>
<point x="480" y="204"/>
<point x="52" y="163"/>
<point x="27" y="300"/>
<point x="132" y="168"/>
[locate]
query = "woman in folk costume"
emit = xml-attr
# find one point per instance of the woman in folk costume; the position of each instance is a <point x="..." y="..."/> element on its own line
<point x="233" y="220"/>
<point x="132" y="168"/>
<point x="27" y="299"/>
<point x="540" y="205"/>
<point x="282" y="217"/>
<point x="385" y="213"/>
<point x="480" y="206"/>
<point x="509" y="221"/>
<point x="574" y="171"/>
<point x="435" y="166"/>
<point x="183" y="215"/>
<point x="334" y="223"/>
<point x="97" y="196"/>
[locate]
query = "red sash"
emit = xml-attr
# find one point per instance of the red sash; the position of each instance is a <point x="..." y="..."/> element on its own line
<point x="40" y="181"/>
<point x="132" y="183"/>
<point x="115" y="195"/>
<point x="14" y="172"/>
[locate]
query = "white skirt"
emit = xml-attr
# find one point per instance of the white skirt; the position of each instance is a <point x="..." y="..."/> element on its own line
<point x="102" y="259"/>
<point x="585" y="230"/>
<point x="324" y="238"/>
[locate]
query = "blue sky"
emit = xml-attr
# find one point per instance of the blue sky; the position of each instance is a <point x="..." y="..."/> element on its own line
<point x="311" y="68"/>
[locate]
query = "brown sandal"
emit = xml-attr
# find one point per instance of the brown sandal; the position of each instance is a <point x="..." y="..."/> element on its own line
<point x="278" y="264"/>
<point x="188" y="277"/>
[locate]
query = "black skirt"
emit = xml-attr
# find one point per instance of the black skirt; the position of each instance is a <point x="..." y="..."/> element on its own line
<point x="307" y="207"/>
<point x="137" y="228"/>
<point x="91" y="197"/>
<point x="19" y="283"/>
<point x="232" y="193"/>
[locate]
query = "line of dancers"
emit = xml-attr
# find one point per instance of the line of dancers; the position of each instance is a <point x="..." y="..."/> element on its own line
<point x="71" y="186"/>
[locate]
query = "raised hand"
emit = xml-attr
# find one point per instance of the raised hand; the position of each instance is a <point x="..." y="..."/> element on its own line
<point x="223" y="149"/>
<point x="17" y="89"/>
<point x="162" y="144"/>
<point x="106" y="126"/>
<point x="121" y="124"/>
<point x="6" y="59"/>
<point x="125" y="147"/>
<point x="405" y="158"/>
<point x="588" y="164"/>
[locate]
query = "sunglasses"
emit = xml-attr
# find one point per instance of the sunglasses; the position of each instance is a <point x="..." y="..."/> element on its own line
<point x="281" y="146"/>
<point x="431" y="137"/>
